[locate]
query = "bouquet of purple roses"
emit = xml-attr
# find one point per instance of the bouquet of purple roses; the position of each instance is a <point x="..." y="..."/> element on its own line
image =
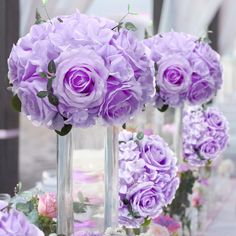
<point x="205" y="135"/>
<point x="188" y="69"/>
<point x="147" y="173"/>
<point x="72" y="70"/>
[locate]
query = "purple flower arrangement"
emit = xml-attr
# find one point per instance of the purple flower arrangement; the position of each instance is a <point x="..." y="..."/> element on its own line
<point x="73" y="70"/>
<point x="148" y="177"/>
<point x="188" y="69"/>
<point x="205" y="135"/>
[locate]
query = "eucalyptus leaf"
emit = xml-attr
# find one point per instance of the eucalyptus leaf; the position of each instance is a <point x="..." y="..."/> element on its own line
<point x="43" y="75"/>
<point x="42" y="94"/>
<point x="81" y="197"/>
<point x="140" y="135"/>
<point x="52" y="67"/>
<point x="38" y="18"/>
<point x="16" y="103"/>
<point x="65" y="130"/>
<point x="130" y="26"/>
<point x="53" y="99"/>
<point x="163" y="108"/>
<point x="23" y="207"/>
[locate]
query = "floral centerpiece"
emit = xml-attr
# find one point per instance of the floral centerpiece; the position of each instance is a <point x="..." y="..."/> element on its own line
<point x="72" y="70"/>
<point x="205" y="135"/>
<point x="147" y="174"/>
<point x="188" y="69"/>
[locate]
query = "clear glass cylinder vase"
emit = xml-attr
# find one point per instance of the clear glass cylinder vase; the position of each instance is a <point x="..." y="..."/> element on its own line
<point x="88" y="180"/>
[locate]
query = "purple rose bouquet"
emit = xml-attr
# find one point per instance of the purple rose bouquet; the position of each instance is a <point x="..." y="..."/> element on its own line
<point x="147" y="172"/>
<point x="205" y="135"/>
<point x="73" y="69"/>
<point x="188" y="69"/>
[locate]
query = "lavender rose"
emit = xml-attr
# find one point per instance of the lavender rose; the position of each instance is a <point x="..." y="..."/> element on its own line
<point x="156" y="153"/>
<point x="200" y="90"/>
<point x="38" y="110"/>
<point x="212" y="59"/>
<point x="80" y="85"/>
<point x="15" y="223"/>
<point x="214" y="119"/>
<point x="122" y="101"/>
<point x="174" y="74"/>
<point x="146" y="199"/>
<point x="209" y="148"/>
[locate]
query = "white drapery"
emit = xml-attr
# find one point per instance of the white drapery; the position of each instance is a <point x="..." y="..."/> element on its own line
<point x="227" y="36"/>
<point x="190" y="16"/>
<point x="54" y="7"/>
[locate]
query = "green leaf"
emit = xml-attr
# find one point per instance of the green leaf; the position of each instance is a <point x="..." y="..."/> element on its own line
<point x="65" y="130"/>
<point x="38" y="18"/>
<point x="16" y="103"/>
<point x="146" y="222"/>
<point x="52" y="67"/>
<point x="140" y="135"/>
<point x="124" y="126"/>
<point x="43" y="75"/>
<point x="130" y="26"/>
<point x="49" y="84"/>
<point x="42" y="94"/>
<point x="81" y="197"/>
<point x="33" y="216"/>
<point x="53" y="99"/>
<point x="60" y="20"/>
<point x="163" y="108"/>
<point x="23" y="207"/>
<point x="79" y="207"/>
<point x="146" y="34"/>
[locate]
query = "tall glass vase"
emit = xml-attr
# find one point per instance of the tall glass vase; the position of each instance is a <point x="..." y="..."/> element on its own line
<point x="64" y="185"/>
<point x="88" y="180"/>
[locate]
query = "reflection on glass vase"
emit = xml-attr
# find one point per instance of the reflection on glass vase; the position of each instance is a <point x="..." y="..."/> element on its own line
<point x="87" y="180"/>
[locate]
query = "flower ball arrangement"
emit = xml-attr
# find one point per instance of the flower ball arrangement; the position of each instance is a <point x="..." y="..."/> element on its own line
<point x="148" y="177"/>
<point x="188" y="69"/>
<point x="73" y="70"/>
<point x="205" y="135"/>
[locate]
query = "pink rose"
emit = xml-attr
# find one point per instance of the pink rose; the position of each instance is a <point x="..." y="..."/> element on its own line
<point x="47" y="205"/>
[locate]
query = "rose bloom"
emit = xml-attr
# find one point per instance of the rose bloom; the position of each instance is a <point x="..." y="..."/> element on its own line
<point x="47" y="205"/>
<point x="158" y="230"/>
<point x="215" y="119"/>
<point x="209" y="148"/>
<point x="38" y="110"/>
<point x="156" y="153"/>
<point x="174" y="74"/>
<point x="200" y="90"/>
<point x="122" y="101"/>
<point x="168" y="222"/>
<point x="15" y="223"/>
<point x="146" y="199"/>
<point x="80" y="85"/>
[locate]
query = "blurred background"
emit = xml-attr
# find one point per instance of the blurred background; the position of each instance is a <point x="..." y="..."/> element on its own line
<point x="28" y="153"/>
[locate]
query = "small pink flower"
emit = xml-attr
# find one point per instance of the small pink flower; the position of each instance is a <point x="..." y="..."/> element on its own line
<point x="47" y="205"/>
<point x="159" y="230"/>
<point x="197" y="200"/>
<point x="168" y="222"/>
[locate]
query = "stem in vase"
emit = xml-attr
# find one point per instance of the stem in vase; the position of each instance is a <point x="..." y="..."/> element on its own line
<point x="178" y="133"/>
<point x="111" y="177"/>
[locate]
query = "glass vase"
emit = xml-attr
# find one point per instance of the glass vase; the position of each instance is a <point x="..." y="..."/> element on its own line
<point x="88" y="180"/>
